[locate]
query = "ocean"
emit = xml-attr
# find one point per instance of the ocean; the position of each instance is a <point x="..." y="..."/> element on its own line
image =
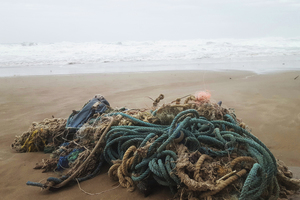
<point x="262" y="55"/>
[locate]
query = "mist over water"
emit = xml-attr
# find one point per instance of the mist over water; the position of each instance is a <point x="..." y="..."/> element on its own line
<point x="81" y="57"/>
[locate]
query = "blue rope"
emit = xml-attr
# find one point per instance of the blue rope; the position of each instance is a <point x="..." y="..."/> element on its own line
<point x="60" y="180"/>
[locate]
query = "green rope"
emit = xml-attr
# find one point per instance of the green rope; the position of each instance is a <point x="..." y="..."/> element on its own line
<point x="160" y="163"/>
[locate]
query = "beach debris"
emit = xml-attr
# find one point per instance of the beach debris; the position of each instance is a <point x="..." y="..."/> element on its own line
<point x="47" y="165"/>
<point x="296" y="77"/>
<point x="203" y="96"/>
<point x="198" y="149"/>
<point x="158" y="99"/>
<point x="40" y="135"/>
<point x="97" y="105"/>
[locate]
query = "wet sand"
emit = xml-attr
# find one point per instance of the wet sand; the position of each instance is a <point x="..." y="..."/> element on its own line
<point x="269" y="104"/>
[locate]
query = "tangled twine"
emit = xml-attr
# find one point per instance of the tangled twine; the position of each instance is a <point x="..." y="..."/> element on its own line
<point x="197" y="149"/>
<point x="40" y="135"/>
<point x="158" y="99"/>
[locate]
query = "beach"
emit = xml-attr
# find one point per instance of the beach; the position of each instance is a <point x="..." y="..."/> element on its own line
<point x="268" y="103"/>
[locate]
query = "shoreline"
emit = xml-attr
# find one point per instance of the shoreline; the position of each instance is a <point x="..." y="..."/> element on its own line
<point x="145" y="72"/>
<point x="268" y="103"/>
<point x="254" y="65"/>
<point x="252" y="74"/>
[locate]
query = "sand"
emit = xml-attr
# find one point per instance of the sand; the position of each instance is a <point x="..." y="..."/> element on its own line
<point x="269" y="104"/>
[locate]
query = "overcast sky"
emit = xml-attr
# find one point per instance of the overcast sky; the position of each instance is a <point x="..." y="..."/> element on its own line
<point x="121" y="20"/>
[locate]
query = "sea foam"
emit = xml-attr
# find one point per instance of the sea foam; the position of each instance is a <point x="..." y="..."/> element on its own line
<point x="95" y="54"/>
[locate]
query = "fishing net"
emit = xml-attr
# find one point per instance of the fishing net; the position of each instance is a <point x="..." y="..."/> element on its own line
<point x="198" y="149"/>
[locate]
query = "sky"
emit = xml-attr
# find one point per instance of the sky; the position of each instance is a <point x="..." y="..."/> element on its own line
<point x="143" y="20"/>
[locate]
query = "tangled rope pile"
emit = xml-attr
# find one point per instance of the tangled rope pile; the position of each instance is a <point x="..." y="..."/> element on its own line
<point x="40" y="134"/>
<point x="171" y="144"/>
<point x="198" y="149"/>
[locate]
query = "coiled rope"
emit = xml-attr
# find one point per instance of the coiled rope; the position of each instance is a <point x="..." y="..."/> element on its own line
<point x="137" y="153"/>
<point x="153" y="159"/>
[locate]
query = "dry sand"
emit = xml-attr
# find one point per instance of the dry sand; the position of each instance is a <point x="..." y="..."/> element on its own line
<point x="269" y="104"/>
